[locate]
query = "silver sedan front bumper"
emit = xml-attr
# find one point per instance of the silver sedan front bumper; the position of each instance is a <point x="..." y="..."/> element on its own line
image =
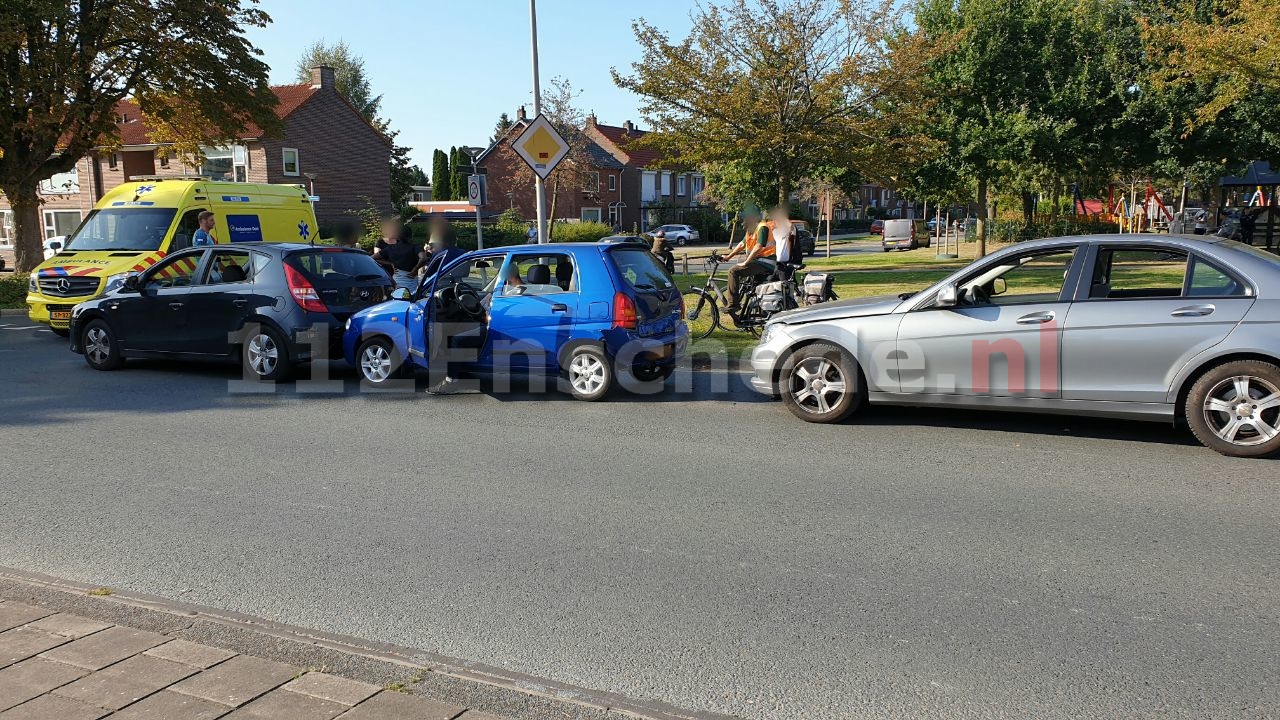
<point x="766" y="357"/>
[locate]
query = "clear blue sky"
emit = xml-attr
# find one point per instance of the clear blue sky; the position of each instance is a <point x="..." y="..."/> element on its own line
<point x="437" y="89"/>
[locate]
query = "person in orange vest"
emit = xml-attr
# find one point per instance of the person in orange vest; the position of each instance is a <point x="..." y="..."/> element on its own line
<point x="758" y="244"/>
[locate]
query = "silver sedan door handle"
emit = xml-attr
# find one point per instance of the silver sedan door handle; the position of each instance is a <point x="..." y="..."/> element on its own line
<point x="1194" y="311"/>
<point x="1036" y="318"/>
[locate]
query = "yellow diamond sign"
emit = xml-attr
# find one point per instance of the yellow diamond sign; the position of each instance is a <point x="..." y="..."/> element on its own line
<point x="541" y="146"/>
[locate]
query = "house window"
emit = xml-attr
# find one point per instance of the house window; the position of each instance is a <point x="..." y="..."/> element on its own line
<point x="6" y="228"/>
<point x="613" y="215"/>
<point x="63" y="183"/>
<point x="682" y="184"/>
<point x="649" y="187"/>
<point x="591" y="214"/>
<point x="698" y="184"/>
<point x="591" y="183"/>
<point x="290" y="162"/>
<point x="613" y="183"/>
<point x="60" y="222"/>
<point x="112" y="160"/>
<point x="666" y="184"/>
<point x="164" y="158"/>
<point x="225" y="163"/>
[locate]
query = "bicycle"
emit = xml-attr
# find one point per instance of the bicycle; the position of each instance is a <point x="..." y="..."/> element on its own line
<point x="702" y="304"/>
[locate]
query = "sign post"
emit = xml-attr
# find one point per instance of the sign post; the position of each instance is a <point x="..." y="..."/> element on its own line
<point x="476" y="196"/>
<point x="539" y="182"/>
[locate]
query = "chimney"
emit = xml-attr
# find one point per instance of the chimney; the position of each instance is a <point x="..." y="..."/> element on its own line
<point x="322" y="78"/>
<point x="520" y="116"/>
<point x="591" y="120"/>
<point x="629" y="126"/>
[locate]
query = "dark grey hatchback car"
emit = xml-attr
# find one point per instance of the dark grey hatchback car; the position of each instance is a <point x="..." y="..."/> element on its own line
<point x="268" y="305"/>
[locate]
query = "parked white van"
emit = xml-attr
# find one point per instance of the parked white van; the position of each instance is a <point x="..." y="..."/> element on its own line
<point x="904" y="235"/>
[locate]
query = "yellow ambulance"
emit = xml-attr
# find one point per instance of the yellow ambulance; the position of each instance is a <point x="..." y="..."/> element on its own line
<point x="139" y="222"/>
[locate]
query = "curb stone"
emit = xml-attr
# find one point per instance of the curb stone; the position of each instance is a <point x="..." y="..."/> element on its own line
<point x="480" y="688"/>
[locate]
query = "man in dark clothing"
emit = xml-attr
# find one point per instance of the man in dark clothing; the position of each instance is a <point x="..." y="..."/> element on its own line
<point x="444" y="248"/>
<point x="397" y="250"/>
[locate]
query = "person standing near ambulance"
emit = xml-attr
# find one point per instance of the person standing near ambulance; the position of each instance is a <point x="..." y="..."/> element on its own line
<point x="203" y="235"/>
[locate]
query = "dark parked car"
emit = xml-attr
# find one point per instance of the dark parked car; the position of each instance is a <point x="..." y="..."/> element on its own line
<point x="805" y="242"/>
<point x="256" y="302"/>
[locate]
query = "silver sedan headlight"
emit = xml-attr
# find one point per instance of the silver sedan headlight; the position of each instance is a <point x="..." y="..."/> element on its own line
<point x="769" y="332"/>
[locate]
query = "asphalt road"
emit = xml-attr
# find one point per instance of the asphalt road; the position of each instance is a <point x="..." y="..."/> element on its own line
<point x="701" y="548"/>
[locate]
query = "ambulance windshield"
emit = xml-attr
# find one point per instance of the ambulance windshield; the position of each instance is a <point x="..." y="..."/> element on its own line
<point x="140" y="229"/>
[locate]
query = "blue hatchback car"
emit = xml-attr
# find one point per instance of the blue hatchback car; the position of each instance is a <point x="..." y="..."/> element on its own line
<point x="580" y="311"/>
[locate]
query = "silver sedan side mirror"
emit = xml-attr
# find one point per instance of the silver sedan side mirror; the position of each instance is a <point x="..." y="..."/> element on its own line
<point x="947" y="296"/>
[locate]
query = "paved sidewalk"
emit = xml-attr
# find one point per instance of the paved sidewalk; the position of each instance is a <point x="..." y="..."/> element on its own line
<point x="58" y="666"/>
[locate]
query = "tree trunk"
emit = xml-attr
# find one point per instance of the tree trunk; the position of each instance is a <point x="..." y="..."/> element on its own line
<point x="551" y="212"/>
<point x="1057" y="199"/>
<point x="784" y="192"/>
<point x="1028" y="208"/>
<point x="28" y="233"/>
<point x="983" y="216"/>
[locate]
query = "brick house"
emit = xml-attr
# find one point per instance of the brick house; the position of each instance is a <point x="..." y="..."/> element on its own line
<point x="325" y="145"/>
<point x="621" y="184"/>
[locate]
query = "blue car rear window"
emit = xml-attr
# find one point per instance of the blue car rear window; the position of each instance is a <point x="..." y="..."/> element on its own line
<point x="640" y="269"/>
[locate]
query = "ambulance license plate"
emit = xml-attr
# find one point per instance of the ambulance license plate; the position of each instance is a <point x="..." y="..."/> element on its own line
<point x="60" y="316"/>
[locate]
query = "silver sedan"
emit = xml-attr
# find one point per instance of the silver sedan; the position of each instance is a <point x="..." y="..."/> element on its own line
<point x="1164" y="328"/>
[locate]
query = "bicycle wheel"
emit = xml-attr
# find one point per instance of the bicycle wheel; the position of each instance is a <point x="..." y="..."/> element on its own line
<point x="701" y="313"/>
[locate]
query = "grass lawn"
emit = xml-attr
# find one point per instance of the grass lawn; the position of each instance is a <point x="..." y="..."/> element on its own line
<point x="735" y="345"/>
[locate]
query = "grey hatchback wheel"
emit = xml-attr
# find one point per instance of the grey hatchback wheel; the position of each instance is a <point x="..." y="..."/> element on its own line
<point x="1235" y="408"/>
<point x="266" y="355"/>
<point x="100" y="348"/>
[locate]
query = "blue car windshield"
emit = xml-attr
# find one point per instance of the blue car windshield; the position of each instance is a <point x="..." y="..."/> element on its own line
<point x="142" y="229"/>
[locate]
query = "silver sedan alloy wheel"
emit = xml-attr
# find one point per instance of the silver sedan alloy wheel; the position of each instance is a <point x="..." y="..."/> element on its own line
<point x="375" y="363"/>
<point x="97" y="345"/>
<point x="817" y="385"/>
<point x="1243" y="410"/>
<point x="587" y="373"/>
<point x="263" y="355"/>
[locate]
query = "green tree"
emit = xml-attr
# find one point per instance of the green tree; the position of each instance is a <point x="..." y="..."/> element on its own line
<point x="64" y="65"/>
<point x="441" y="180"/>
<point x="349" y="74"/>
<point x="500" y="129"/>
<point x="1027" y="92"/>
<point x="790" y="84"/>
<point x="353" y="84"/>
<point x="460" y="164"/>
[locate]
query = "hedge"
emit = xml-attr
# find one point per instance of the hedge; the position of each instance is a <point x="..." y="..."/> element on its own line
<point x="1007" y="231"/>
<point x="13" y="291"/>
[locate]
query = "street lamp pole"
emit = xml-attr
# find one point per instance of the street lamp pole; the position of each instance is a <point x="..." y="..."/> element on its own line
<point x="539" y="184"/>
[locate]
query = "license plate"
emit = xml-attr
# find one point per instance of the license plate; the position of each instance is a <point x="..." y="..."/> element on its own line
<point x="60" y="316"/>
